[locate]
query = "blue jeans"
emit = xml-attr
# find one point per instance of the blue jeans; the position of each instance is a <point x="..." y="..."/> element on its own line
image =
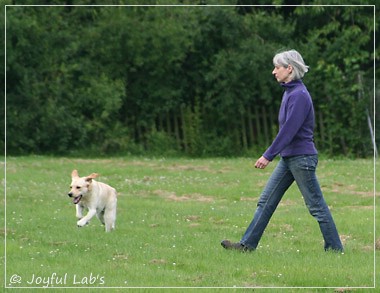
<point x="302" y="170"/>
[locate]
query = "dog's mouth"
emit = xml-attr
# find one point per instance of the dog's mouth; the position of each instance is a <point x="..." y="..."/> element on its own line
<point x="77" y="199"/>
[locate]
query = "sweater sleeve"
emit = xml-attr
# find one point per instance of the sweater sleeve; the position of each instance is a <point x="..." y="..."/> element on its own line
<point x="297" y="109"/>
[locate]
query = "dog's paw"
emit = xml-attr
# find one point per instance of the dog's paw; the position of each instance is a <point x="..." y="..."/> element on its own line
<point x="81" y="223"/>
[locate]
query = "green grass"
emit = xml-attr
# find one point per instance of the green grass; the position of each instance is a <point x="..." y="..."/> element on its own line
<point x="172" y="215"/>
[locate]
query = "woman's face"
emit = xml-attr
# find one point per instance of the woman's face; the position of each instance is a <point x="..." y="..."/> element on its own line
<point x="282" y="74"/>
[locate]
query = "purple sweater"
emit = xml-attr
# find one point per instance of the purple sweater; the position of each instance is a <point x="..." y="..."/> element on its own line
<point x="296" y="119"/>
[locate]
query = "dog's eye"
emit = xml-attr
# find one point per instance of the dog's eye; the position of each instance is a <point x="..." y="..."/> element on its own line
<point x="78" y="187"/>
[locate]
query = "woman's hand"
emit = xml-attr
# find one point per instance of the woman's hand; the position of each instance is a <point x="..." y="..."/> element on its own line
<point x="262" y="163"/>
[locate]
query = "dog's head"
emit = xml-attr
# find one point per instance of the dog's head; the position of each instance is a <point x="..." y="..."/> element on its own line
<point x="80" y="185"/>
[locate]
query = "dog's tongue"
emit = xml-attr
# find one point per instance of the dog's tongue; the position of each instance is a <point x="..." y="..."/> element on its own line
<point x="77" y="199"/>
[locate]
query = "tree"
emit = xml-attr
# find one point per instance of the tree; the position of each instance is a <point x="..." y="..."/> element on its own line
<point x="195" y="79"/>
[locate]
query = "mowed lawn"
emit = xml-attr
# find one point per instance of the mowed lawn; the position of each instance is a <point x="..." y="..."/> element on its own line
<point x="172" y="214"/>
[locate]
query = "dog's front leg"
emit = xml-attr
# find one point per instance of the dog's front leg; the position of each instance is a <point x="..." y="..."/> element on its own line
<point x="79" y="209"/>
<point x="84" y="220"/>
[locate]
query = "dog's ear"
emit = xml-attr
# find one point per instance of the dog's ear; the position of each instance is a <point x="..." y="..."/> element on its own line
<point x="74" y="174"/>
<point x="92" y="176"/>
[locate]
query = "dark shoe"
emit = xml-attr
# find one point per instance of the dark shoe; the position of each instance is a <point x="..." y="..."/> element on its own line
<point x="227" y="244"/>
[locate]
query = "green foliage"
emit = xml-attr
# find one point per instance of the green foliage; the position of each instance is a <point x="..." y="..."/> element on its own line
<point x="161" y="144"/>
<point x="102" y="77"/>
<point x="337" y="74"/>
<point x="193" y="130"/>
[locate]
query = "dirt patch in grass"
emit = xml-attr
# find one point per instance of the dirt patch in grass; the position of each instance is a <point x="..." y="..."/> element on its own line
<point x="92" y="161"/>
<point x="341" y="290"/>
<point x="377" y="244"/>
<point x="287" y="202"/>
<point x="249" y="199"/>
<point x="120" y="256"/>
<point x="192" y="218"/>
<point x="344" y="238"/>
<point x="341" y="188"/>
<point x="158" y="261"/>
<point x="170" y="195"/>
<point x="178" y="167"/>
<point x="59" y="243"/>
<point x="359" y="207"/>
<point x="286" y="227"/>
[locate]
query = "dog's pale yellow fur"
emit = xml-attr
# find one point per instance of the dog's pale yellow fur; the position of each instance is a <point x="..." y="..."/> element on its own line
<point x="99" y="198"/>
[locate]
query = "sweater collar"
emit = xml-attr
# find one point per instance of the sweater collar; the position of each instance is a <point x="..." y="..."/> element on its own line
<point x="291" y="84"/>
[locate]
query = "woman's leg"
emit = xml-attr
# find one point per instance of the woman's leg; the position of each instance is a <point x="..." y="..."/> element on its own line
<point x="303" y="169"/>
<point x="278" y="183"/>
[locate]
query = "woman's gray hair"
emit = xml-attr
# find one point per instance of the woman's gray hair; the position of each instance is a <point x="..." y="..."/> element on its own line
<point x="293" y="58"/>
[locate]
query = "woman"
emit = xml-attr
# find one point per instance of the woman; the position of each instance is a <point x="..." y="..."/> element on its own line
<point x="299" y="159"/>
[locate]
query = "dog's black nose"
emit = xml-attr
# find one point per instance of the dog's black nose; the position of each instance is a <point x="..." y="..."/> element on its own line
<point x="70" y="194"/>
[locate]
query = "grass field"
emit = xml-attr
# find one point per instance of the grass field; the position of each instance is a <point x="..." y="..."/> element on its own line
<point x="172" y="215"/>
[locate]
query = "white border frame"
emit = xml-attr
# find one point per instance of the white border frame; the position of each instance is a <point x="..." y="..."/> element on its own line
<point x="185" y="5"/>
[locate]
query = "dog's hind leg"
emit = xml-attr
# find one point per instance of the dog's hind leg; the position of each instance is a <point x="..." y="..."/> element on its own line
<point x="110" y="218"/>
<point x="100" y="215"/>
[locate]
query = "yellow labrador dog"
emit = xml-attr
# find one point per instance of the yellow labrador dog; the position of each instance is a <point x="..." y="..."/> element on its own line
<point x="99" y="198"/>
